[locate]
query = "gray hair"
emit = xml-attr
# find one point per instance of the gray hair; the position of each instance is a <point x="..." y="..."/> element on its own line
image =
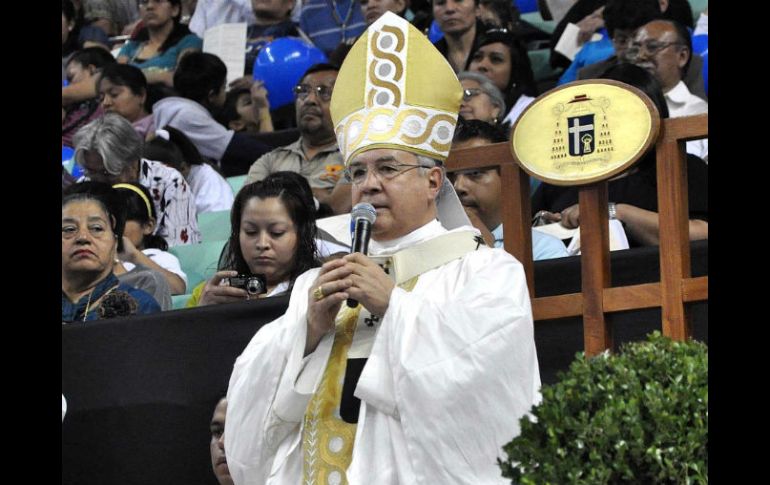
<point x="427" y="163"/>
<point x="487" y="87"/>
<point x="113" y="138"/>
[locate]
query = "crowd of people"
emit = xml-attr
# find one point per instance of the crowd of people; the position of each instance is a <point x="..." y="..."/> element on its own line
<point x="156" y="129"/>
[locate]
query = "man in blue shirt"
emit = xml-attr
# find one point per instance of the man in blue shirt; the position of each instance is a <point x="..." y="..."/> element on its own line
<point x="479" y="192"/>
<point x="331" y="22"/>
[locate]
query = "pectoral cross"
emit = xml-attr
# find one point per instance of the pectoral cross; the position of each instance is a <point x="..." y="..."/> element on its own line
<point x="371" y="320"/>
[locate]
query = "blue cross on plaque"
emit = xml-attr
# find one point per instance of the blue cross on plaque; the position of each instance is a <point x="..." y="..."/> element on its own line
<point x="581" y="135"/>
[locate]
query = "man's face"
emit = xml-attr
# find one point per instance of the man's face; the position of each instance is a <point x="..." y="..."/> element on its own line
<point x="656" y="48"/>
<point x="217" y="445"/>
<point x="313" y="116"/>
<point x="478" y="190"/>
<point x="374" y="9"/>
<point x="454" y="17"/>
<point x="403" y="196"/>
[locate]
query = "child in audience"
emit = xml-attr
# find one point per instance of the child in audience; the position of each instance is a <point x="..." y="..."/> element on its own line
<point x="79" y="101"/>
<point x="247" y="110"/>
<point x="122" y="89"/>
<point x="172" y="147"/>
<point x="140" y="245"/>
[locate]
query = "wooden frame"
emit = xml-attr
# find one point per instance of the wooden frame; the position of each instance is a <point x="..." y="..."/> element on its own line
<point x="676" y="286"/>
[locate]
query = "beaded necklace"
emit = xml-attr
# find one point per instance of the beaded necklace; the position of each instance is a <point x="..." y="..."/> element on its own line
<point x="342" y="23"/>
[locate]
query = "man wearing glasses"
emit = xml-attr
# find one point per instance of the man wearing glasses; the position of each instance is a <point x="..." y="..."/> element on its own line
<point x="315" y="154"/>
<point x="426" y="378"/>
<point x="664" y="48"/>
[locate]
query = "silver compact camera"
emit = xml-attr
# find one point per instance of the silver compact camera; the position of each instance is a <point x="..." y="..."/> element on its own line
<point x="254" y="285"/>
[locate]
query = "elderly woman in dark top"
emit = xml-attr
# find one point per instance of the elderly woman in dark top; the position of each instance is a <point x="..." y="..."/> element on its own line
<point x="92" y="222"/>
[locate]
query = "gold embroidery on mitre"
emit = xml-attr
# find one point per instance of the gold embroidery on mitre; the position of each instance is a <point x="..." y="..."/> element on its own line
<point x="392" y="55"/>
<point x="380" y="97"/>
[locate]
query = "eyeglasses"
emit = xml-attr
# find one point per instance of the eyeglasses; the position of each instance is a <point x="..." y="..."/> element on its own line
<point x="649" y="48"/>
<point x="156" y="2"/>
<point x="302" y="91"/>
<point x="471" y="93"/>
<point x="358" y="172"/>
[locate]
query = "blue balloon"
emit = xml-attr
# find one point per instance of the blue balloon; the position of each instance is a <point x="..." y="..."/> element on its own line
<point x="706" y="72"/>
<point x="281" y="64"/>
<point x="434" y="33"/>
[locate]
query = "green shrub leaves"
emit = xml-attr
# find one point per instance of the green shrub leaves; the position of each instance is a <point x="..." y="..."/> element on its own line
<point x="637" y="417"/>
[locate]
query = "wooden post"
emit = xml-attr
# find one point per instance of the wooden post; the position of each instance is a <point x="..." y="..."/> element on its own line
<point x="674" y="231"/>
<point x="594" y="266"/>
<point x="516" y="209"/>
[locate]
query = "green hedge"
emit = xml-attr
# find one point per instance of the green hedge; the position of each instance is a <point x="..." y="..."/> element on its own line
<point x="640" y="416"/>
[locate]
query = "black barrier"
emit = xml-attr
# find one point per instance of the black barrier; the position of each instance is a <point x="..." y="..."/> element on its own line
<point x="141" y="390"/>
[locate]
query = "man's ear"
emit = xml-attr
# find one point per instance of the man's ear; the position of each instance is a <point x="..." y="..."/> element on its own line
<point x="435" y="181"/>
<point x="683" y="57"/>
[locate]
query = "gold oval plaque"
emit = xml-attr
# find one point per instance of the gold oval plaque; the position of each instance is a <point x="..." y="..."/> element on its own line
<point x="584" y="132"/>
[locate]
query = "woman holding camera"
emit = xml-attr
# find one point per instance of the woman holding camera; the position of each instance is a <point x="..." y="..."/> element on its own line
<point x="272" y="241"/>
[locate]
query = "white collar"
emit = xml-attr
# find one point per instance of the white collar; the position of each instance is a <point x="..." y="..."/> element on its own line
<point x="279" y="288"/>
<point x="429" y="230"/>
<point x="678" y="94"/>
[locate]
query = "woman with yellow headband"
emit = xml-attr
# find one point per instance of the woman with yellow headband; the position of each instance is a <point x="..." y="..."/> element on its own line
<point x="140" y="245"/>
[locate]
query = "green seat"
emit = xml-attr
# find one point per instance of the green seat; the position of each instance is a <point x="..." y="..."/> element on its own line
<point x="198" y="261"/>
<point x="534" y="18"/>
<point x="179" y="301"/>
<point x="697" y="7"/>
<point x="236" y="182"/>
<point x="541" y="66"/>
<point x="215" y="225"/>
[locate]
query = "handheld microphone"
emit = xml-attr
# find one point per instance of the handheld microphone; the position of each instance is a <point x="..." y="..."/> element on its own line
<point x="361" y="220"/>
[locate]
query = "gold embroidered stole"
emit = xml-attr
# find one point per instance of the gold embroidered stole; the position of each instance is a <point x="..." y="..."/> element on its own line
<point x="327" y="440"/>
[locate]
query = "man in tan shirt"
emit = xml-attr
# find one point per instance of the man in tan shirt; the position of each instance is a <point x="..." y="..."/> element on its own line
<point x="315" y="155"/>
